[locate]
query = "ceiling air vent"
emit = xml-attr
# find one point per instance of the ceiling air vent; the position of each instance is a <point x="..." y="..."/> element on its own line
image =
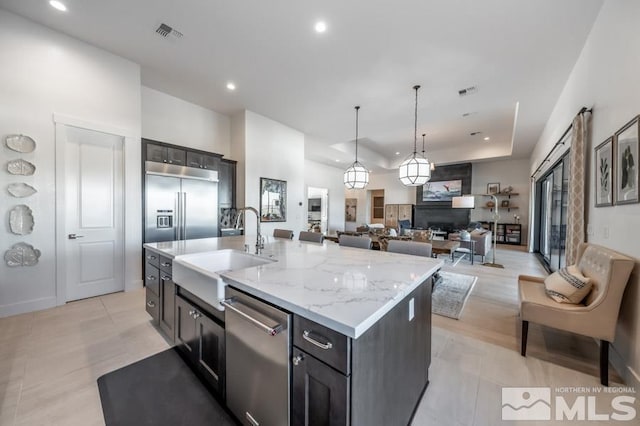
<point x="468" y="91"/>
<point x="164" y="30"/>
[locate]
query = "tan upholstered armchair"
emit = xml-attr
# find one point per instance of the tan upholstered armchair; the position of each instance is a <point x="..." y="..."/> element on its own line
<point x="596" y="316"/>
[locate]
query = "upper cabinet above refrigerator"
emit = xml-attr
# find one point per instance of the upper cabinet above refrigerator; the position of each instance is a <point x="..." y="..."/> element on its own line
<point x="164" y="154"/>
<point x="202" y="161"/>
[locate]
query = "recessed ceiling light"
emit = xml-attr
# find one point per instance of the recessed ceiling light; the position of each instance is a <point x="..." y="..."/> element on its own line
<point x="231" y="86"/>
<point x="320" y="26"/>
<point x="487" y="138"/>
<point x="337" y="161"/>
<point x="58" y="5"/>
<point x="397" y="153"/>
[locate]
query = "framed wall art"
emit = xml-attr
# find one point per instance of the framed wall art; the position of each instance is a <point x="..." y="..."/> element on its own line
<point x="626" y="157"/>
<point x="493" y="188"/>
<point x="273" y="200"/>
<point x="441" y="190"/>
<point x="350" y="209"/>
<point x="604" y="173"/>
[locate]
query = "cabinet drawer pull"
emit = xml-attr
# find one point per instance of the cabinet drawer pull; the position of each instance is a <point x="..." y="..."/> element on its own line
<point x="151" y="257"/>
<point x="151" y="278"/>
<point x="165" y="277"/>
<point x="151" y="304"/>
<point x="306" y="336"/>
<point x="165" y="264"/>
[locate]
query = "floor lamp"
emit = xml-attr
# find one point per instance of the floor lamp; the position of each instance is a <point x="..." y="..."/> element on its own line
<point x="468" y="202"/>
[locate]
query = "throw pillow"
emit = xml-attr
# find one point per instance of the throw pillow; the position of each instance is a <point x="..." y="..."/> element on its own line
<point x="567" y="285"/>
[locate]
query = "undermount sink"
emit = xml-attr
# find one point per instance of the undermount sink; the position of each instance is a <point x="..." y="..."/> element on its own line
<point x="199" y="273"/>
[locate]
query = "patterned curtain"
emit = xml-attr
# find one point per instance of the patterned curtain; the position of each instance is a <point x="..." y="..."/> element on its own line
<point x="575" y="207"/>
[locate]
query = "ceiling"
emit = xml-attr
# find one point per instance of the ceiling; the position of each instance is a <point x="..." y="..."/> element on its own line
<point x="517" y="53"/>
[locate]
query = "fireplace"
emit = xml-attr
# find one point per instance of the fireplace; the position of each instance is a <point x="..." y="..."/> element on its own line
<point x="439" y="214"/>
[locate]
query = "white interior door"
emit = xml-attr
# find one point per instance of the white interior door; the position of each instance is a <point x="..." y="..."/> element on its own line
<point x="93" y="212"/>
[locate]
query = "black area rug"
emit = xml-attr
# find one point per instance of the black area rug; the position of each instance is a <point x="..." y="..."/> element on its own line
<point x="159" y="390"/>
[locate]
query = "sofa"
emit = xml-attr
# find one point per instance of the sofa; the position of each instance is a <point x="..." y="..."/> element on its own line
<point x="483" y="239"/>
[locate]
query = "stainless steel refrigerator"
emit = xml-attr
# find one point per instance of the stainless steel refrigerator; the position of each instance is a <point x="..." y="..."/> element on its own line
<point x="181" y="203"/>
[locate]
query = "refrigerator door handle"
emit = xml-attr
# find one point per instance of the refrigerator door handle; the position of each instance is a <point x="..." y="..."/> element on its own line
<point x="184" y="215"/>
<point x="177" y="223"/>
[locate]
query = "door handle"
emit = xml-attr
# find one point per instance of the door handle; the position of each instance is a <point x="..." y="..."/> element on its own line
<point x="74" y="236"/>
<point x="271" y="331"/>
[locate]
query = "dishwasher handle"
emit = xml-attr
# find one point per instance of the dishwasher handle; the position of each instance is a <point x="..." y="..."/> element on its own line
<point x="272" y="331"/>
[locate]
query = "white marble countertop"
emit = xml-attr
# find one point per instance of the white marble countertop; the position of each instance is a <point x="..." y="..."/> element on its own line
<point x="345" y="289"/>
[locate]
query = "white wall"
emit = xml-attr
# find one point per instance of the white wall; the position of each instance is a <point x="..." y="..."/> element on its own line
<point x="237" y="153"/>
<point x="606" y="77"/>
<point x="45" y="72"/>
<point x="169" y="119"/>
<point x="323" y="176"/>
<point x="272" y="150"/>
<point x="513" y="173"/>
<point x="394" y="193"/>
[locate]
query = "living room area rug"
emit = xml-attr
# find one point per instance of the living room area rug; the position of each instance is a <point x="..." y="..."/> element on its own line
<point x="450" y="294"/>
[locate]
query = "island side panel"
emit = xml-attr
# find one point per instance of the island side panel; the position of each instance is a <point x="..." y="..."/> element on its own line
<point x="390" y="363"/>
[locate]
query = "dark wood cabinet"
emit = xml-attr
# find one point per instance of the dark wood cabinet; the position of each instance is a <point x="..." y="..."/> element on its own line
<point x="161" y="291"/>
<point x="164" y="154"/>
<point x="152" y="279"/>
<point x="176" y="156"/>
<point x="167" y="305"/>
<point x="375" y="380"/>
<point x="202" y="161"/>
<point x="201" y="339"/>
<point x="185" y="328"/>
<point x="152" y="306"/>
<point x="320" y="394"/>
<point x="211" y="351"/>
<point x="226" y="184"/>
<point x="156" y="153"/>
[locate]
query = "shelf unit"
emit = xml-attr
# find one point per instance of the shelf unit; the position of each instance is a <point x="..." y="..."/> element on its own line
<point x="502" y="197"/>
<point x="508" y="233"/>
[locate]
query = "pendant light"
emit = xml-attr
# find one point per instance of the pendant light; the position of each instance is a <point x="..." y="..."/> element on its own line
<point x="415" y="170"/>
<point x="356" y="176"/>
<point x="432" y="165"/>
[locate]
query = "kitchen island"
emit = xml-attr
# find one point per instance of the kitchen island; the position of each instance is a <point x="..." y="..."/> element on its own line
<point x="358" y="342"/>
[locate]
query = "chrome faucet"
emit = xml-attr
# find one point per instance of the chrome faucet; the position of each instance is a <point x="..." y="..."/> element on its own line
<point x="259" y="242"/>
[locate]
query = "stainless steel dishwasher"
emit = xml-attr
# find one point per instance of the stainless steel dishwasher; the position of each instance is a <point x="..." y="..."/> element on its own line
<point x="257" y="348"/>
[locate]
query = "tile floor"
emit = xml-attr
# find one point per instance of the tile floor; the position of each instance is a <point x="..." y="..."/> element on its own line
<point x="50" y="360"/>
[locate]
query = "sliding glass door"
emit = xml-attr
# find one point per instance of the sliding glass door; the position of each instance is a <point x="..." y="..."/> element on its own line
<point x="545" y="218"/>
<point x="552" y="190"/>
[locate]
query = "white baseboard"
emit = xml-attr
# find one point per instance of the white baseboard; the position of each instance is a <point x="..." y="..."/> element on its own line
<point x="628" y="374"/>
<point x="27" y="306"/>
